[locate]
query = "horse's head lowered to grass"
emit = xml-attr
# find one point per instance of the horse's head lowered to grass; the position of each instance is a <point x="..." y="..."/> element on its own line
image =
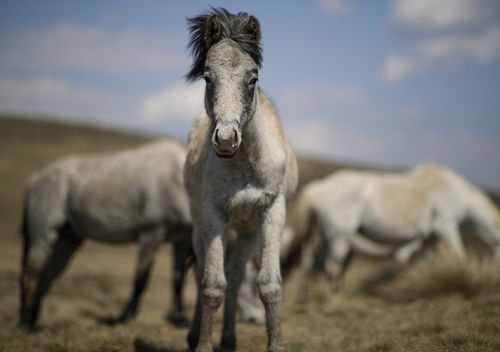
<point x="227" y="54"/>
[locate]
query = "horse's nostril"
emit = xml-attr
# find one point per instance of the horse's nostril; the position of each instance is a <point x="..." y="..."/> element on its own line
<point x="235" y="139"/>
<point x="216" y="136"/>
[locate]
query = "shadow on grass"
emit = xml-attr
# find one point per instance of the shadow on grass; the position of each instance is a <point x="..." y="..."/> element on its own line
<point x="370" y="285"/>
<point x="106" y="320"/>
<point x="141" y="345"/>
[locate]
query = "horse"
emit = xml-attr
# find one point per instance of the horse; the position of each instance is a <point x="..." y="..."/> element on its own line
<point x="389" y="214"/>
<point x="135" y="195"/>
<point x="239" y="171"/>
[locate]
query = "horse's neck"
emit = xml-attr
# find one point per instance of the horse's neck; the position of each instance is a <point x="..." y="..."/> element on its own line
<point x="254" y="137"/>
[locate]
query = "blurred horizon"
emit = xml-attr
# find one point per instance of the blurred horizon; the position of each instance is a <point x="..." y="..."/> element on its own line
<point x="393" y="83"/>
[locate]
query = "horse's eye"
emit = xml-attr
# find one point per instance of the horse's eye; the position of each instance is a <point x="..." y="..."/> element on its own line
<point x="253" y="81"/>
<point x="207" y="78"/>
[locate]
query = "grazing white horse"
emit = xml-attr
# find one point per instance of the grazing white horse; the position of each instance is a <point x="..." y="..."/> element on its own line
<point x="389" y="213"/>
<point x="239" y="170"/>
<point x="135" y="195"/>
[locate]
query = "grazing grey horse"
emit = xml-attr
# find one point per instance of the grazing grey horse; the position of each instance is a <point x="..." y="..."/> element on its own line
<point x="120" y="197"/>
<point x="239" y="170"/>
<point x="390" y="213"/>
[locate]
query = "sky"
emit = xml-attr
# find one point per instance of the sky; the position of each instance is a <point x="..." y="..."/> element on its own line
<point x="390" y="83"/>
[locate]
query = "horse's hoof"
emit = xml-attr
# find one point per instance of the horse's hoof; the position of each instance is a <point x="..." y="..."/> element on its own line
<point x="125" y="317"/>
<point x="178" y="320"/>
<point x="122" y="320"/>
<point x="28" y="327"/>
<point x="228" y="345"/>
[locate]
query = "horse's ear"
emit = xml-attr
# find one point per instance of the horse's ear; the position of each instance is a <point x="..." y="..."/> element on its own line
<point x="213" y="31"/>
<point x="253" y="28"/>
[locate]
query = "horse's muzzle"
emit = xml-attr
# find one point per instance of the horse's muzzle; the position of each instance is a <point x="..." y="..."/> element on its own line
<point x="226" y="139"/>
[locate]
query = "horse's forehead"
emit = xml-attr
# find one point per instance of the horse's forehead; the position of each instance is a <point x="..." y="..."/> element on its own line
<point x="226" y="55"/>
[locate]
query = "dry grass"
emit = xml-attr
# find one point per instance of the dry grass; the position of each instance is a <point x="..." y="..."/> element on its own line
<point x="437" y="305"/>
<point x="423" y="318"/>
<point x="441" y="274"/>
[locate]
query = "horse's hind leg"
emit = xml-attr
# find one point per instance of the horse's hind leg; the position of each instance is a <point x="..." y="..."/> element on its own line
<point x="407" y="253"/>
<point x="149" y="243"/>
<point x="249" y="303"/>
<point x="337" y="261"/>
<point x="240" y="253"/>
<point x="451" y="236"/>
<point x="34" y="259"/>
<point x="181" y="262"/>
<point x="37" y="282"/>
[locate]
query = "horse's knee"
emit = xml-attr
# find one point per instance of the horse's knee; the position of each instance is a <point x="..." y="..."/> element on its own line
<point x="269" y="290"/>
<point x="213" y="291"/>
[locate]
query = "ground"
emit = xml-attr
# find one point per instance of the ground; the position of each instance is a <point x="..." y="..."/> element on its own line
<point x="438" y="304"/>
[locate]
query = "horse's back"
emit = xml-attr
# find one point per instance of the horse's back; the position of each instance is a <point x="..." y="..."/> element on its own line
<point x="402" y="203"/>
<point x="112" y="195"/>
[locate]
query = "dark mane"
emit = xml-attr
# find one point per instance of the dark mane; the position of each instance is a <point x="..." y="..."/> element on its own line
<point x="209" y="28"/>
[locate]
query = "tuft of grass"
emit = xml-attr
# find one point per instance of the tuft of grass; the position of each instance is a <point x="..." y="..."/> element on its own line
<point x="442" y="274"/>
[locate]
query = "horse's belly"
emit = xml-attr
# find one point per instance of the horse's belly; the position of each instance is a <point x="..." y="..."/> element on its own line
<point x="391" y="232"/>
<point x="108" y="226"/>
<point x="385" y="224"/>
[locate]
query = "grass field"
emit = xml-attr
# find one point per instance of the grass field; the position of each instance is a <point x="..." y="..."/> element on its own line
<point x="436" y="305"/>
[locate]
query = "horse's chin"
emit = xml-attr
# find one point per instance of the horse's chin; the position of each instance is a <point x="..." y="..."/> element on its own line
<point x="225" y="155"/>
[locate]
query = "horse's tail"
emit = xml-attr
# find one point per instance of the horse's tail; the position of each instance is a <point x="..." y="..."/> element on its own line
<point x="44" y="208"/>
<point x="26" y="239"/>
<point x="24" y="229"/>
<point x="302" y="221"/>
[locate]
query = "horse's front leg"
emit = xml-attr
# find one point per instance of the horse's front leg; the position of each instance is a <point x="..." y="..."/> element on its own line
<point x="269" y="278"/>
<point x="240" y="253"/>
<point x="213" y="281"/>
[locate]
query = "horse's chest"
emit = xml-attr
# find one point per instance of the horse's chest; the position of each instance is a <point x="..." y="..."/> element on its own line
<point x="240" y="195"/>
